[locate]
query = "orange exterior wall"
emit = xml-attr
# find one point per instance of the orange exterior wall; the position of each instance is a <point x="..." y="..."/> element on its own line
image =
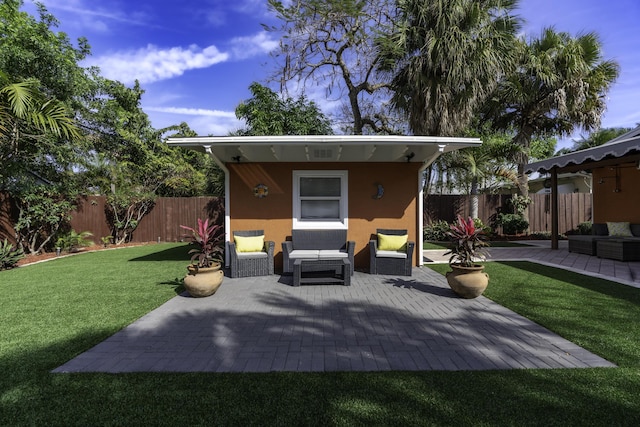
<point x="609" y="205"/>
<point x="396" y="209"/>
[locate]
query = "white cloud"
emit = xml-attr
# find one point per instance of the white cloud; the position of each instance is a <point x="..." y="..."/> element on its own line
<point x="258" y="44"/>
<point x="92" y="16"/>
<point x="192" y="111"/>
<point x="151" y="64"/>
<point x="203" y="121"/>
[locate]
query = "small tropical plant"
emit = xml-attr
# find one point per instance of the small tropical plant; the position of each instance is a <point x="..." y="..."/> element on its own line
<point x="208" y="239"/>
<point x="436" y="231"/>
<point x="512" y="223"/>
<point x="9" y="256"/>
<point x="106" y="240"/>
<point x="467" y="242"/>
<point x="73" y="240"/>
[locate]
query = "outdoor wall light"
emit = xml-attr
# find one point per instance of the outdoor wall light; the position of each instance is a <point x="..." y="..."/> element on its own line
<point x="380" y="192"/>
<point x="261" y="191"/>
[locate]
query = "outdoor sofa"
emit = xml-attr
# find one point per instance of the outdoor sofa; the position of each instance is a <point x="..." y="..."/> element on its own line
<point x="317" y="245"/>
<point x="623" y="241"/>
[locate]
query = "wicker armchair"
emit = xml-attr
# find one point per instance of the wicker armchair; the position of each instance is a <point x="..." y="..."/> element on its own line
<point x="391" y="262"/>
<point x="248" y="264"/>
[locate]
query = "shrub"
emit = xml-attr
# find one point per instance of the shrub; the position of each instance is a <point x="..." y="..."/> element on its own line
<point x="72" y="240"/>
<point x="477" y="222"/>
<point x="520" y="203"/>
<point x="585" y="227"/>
<point x="512" y="223"/>
<point x="436" y="231"/>
<point x="9" y="256"/>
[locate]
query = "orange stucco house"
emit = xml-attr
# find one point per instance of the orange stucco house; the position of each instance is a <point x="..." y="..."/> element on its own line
<point x="370" y="181"/>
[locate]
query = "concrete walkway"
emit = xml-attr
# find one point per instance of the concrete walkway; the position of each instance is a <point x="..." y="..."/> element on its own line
<point x="379" y="323"/>
<point x="539" y="251"/>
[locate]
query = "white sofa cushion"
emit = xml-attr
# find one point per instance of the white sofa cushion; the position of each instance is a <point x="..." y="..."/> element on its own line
<point x="332" y="253"/>
<point x="248" y="255"/>
<point x="304" y="253"/>
<point x="391" y="254"/>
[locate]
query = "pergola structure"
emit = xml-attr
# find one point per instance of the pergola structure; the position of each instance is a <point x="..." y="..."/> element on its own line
<point x="610" y="163"/>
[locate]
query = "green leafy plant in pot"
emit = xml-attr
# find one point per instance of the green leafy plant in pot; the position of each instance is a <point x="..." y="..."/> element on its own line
<point x="467" y="278"/>
<point x="204" y="273"/>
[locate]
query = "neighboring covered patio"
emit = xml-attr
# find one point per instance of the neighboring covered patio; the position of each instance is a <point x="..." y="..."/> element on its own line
<point x="615" y="169"/>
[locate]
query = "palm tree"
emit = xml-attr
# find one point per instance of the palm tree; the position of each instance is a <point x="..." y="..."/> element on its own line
<point x="560" y="85"/>
<point x="446" y="57"/>
<point x="24" y="110"/>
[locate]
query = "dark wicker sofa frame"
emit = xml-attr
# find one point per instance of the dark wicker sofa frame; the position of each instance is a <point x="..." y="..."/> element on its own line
<point x="588" y="244"/>
<point x="390" y="265"/>
<point x="248" y="265"/>
<point x="316" y="240"/>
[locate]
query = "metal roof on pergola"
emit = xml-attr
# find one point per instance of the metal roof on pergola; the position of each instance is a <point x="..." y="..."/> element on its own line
<point x="623" y="149"/>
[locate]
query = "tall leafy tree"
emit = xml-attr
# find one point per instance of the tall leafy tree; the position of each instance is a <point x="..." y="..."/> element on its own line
<point x="559" y="86"/>
<point x="26" y="116"/>
<point x="46" y="64"/>
<point x="445" y="57"/>
<point x="594" y="139"/>
<point x="266" y="113"/>
<point x="330" y="43"/>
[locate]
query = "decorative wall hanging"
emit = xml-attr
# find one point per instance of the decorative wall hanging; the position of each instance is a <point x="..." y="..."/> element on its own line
<point x="261" y="191"/>
<point x="380" y="192"/>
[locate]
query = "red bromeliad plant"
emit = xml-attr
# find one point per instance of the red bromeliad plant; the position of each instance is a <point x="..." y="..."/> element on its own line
<point x="209" y="240"/>
<point x="467" y="242"/>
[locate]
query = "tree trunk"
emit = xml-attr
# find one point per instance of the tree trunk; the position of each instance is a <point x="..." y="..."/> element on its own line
<point x="473" y="200"/>
<point x="523" y="138"/>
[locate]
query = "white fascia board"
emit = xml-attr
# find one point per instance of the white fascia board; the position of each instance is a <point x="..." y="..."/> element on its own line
<point x="324" y="139"/>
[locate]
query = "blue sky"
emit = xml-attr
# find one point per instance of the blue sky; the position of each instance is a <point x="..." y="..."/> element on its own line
<point x="196" y="58"/>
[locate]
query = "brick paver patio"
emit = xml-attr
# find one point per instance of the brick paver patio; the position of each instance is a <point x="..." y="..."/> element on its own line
<point x="378" y="323"/>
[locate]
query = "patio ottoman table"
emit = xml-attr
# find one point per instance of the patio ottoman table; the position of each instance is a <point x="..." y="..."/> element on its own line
<point x="621" y="250"/>
<point x="328" y="270"/>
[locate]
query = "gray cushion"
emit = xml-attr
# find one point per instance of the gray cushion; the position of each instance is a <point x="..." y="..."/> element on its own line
<point x="600" y="229"/>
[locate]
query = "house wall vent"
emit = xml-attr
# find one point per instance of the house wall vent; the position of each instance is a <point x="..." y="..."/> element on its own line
<point x="322" y="153"/>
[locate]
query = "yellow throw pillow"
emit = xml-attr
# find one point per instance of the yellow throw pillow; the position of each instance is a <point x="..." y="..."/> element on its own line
<point x="249" y="244"/>
<point x="619" y="229"/>
<point x="388" y="242"/>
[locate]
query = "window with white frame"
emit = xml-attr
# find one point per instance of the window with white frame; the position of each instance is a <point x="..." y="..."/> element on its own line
<point x="320" y="199"/>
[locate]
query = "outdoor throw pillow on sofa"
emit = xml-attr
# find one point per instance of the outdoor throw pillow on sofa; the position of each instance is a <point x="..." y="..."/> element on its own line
<point x="388" y="242"/>
<point x="619" y="229"/>
<point x="249" y="244"/>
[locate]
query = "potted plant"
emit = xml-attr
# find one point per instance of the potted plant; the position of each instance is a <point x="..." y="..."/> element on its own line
<point x="467" y="278"/>
<point x="205" y="274"/>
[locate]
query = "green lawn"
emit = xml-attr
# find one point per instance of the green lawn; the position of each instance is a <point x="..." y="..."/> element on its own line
<point x="53" y="311"/>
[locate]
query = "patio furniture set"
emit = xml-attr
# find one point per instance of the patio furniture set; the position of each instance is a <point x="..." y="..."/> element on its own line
<point x="613" y="240"/>
<point x="319" y="256"/>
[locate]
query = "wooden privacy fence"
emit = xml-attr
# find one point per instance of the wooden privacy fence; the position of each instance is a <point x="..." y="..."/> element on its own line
<point x="164" y="220"/>
<point x="162" y="223"/>
<point x="573" y="209"/>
